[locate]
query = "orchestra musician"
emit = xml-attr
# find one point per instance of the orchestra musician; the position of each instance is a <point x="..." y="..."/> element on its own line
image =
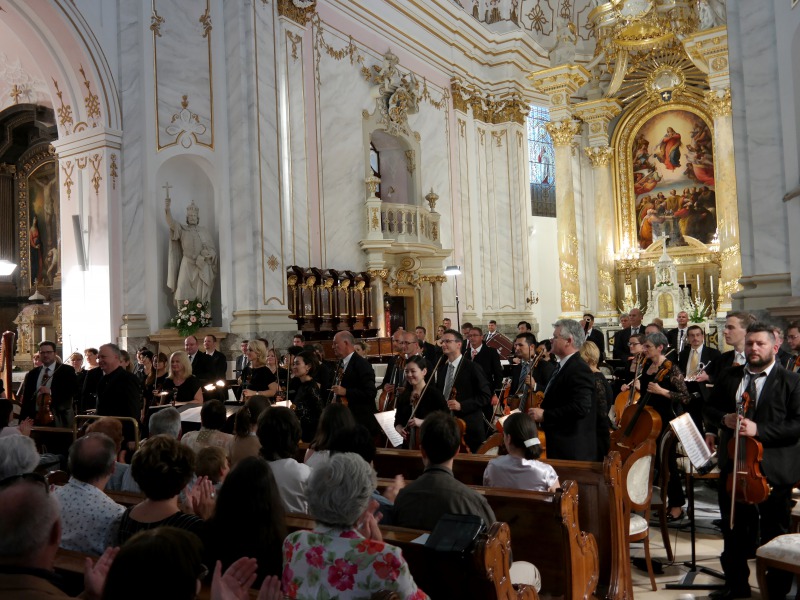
<point x="525" y="350"/>
<point x="417" y="399"/>
<point x="568" y="411"/>
<point x="696" y="353"/>
<point x="793" y="339"/>
<point x="736" y="324"/>
<point x="774" y="421"/>
<point x="357" y="382"/>
<point x="393" y="377"/>
<point x="489" y="361"/>
<point x="53" y="379"/>
<point x="472" y="391"/>
<point x="430" y="351"/>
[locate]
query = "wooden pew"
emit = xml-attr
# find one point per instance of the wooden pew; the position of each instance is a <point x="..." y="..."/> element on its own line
<point x="600" y="509"/>
<point x="483" y="574"/>
<point x="55" y="440"/>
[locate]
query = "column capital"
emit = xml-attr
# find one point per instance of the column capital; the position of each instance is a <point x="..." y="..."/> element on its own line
<point x="562" y="132"/>
<point x="708" y="50"/>
<point x="719" y="102"/>
<point x="558" y="84"/>
<point x="598" y="114"/>
<point x="599" y="156"/>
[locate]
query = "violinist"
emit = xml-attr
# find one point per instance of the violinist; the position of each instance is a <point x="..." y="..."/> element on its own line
<point x="663" y="386"/>
<point x="417" y="399"/>
<point x="489" y="361"/>
<point x="471" y="388"/>
<point x="51" y="382"/>
<point x="393" y="377"/>
<point x="773" y="420"/>
<point x="525" y="350"/>
<point x="357" y="383"/>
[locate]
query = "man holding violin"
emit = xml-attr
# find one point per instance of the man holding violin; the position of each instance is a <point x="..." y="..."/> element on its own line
<point x="533" y="374"/>
<point x="52" y="382"/>
<point x="772" y="419"/>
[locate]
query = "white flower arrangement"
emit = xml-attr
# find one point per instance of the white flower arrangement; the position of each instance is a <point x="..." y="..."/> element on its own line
<point x="192" y="315"/>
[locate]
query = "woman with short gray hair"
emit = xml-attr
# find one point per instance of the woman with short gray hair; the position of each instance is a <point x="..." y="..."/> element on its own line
<point x="335" y="556"/>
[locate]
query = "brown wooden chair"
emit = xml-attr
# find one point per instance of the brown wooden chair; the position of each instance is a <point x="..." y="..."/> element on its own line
<point x="658" y="503"/>
<point x="637" y="477"/>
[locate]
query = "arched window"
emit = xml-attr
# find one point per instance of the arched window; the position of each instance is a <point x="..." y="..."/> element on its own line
<point x="541" y="158"/>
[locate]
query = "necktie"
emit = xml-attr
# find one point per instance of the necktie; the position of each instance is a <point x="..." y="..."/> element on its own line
<point x="752" y="391"/>
<point x="448" y="381"/>
<point x="634" y="330"/>
<point x="474" y="352"/>
<point x="796" y="364"/>
<point x="693" y="362"/>
<point x="46" y="376"/>
<point x="191" y="358"/>
<point x="680" y="340"/>
<point x="553" y="378"/>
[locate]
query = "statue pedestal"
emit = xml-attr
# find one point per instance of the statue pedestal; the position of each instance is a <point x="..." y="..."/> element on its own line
<point x="169" y="340"/>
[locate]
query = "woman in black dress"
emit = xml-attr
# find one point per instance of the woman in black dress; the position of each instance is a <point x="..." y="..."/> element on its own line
<point x="307" y="399"/>
<point x="261" y="381"/>
<point x="181" y="384"/>
<point x="426" y="401"/>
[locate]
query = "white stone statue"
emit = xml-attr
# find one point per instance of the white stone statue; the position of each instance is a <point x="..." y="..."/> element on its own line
<point x="712" y="13"/>
<point x="566" y="40"/>
<point x="192" y="257"/>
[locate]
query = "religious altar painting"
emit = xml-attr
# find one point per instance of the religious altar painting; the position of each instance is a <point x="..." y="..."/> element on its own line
<point x="43" y="224"/>
<point x="673" y="179"/>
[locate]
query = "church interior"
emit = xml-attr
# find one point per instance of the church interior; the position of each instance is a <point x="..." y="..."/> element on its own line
<point x="268" y="168"/>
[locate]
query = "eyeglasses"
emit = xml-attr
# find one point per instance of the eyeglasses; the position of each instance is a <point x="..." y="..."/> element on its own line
<point x="449" y="341"/>
<point x="32" y="477"/>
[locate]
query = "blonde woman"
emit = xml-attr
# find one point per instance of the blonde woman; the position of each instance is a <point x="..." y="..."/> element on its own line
<point x="262" y="381"/>
<point x="182" y="385"/>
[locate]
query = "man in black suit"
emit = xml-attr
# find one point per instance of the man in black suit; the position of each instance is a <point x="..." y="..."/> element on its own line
<point x="522" y="379"/>
<point x="677" y="337"/>
<point x="430" y="352"/>
<point x="118" y="392"/>
<point x="465" y="329"/>
<point x="793" y="339"/>
<point x="202" y="366"/>
<point x="472" y="391"/>
<point x="621" y="338"/>
<point x="783" y="357"/>
<point x="773" y="418"/>
<point x="736" y="324"/>
<point x="219" y="364"/>
<point x="242" y="362"/>
<point x="568" y="412"/>
<point x="594" y="335"/>
<point x="58" y="380"/>
<point x="358" y="381"/>
<point x="489" y="360"/>
<point x="696" y="353"/>
<point x="393" y="376"/>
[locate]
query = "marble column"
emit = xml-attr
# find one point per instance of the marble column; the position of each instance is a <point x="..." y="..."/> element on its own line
<point x="378" y="320"/>
<point x="559" y="83"/>
<point x="719" y="103"/>
<point x="426" y="304"/>
<point x="438" y="312"/>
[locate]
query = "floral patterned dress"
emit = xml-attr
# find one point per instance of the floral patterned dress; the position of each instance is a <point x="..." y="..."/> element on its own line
<point x="336" y="563"/>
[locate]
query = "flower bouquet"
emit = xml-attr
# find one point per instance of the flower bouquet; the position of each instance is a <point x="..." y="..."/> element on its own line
<point x="698" y="311"/>
<point x="192" y="315"/>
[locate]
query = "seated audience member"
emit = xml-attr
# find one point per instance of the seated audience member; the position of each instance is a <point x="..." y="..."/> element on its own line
<point x="245" y="441"/>
<point x="18" y="455"/>
<point x="279" y="434"/>
<point x="89" y="518"/>
<point x="212" y="463"/>
<point x="30" y="532"/>
<point x="172" y="560"/>
<point x="520" y="468"/>
<point x="166" y="421"/>
<point x="335" y="559"/>
<point x="359" y="440"/>
<point x="248" y="519"/>
<point x="7" y="415"/>
<point x="162" y="467"/>
<point x="113" y="428"/>
<point x="421" y="503"/>
<point x="212" y="421"/>
<point x="335" y="417"/>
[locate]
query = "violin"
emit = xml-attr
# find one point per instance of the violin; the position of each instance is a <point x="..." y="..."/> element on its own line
<point x="520" y="398"/>
<point x="632" y="396"/>
<point x="641" y="424"/>
<point x="746" y="483"/>
<point x="44" y="411"/>
<point x="337" y="381"/>
<point x="462" y="425"/>
<point x="387" y="399"/>
<point x="414" y="439"/>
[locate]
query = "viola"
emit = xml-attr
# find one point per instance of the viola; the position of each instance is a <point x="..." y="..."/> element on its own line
<point x="630" y="397"/>
<point x="746" y="482"/>
<point x="521" y="398"/>
<point x="641" y="424"/>
<point x="44" y="411"/>
<point x="337" y="381"/>
<point x="462" y="425"/>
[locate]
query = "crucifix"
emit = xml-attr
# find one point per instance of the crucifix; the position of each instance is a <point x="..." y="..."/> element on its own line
<point x="15" y="93"/>
<point x="167" y="187"/>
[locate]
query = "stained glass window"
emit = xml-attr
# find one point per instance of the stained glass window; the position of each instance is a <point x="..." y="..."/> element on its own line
<point x="541" y="158"/>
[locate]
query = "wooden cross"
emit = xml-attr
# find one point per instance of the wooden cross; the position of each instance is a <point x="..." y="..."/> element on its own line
<point x="167" y="187"/>
<point x="15" y="93"/>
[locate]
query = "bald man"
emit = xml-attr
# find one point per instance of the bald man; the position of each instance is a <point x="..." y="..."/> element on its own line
<point x="357" y="382"/>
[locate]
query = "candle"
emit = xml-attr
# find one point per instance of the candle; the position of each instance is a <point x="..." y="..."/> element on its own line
<point x="698" y="283"/>
<point x="637" y="289"/>
<point x="648" y="284"/>
<point x="712" y="288"/>
<point x="44" y="333"/>
<point x="684" y="280"/>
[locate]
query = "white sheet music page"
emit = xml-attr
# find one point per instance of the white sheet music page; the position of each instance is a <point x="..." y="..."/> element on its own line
<point x="386" y="421"/>
<point x="693" y="443"/>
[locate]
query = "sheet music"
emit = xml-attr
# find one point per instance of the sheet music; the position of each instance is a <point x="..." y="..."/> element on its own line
<point x="285" y="403"/>
<point x="693" y="443"/>
<point x="386" y="421"/>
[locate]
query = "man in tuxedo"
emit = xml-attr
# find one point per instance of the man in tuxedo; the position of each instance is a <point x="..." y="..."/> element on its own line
<point x="568" y="412"/>
<point x="489" y="360"/>
<point x="491" y="330"/>
<point x="772" y="418"/>
<point x="358" y="381"/>
<point x="118" y="392"/>
<point x="219" y="364"/>
<point x="58" y="380"/>
<point x="594" y="335"/>
<point x="677" y="337"/>
<point x="624" y="323"/>
<point x="242" y="362"/>
<point x="202" y="366"/>
<point x="783" y="357"/>
<point x="465" y="329"/>
<point x="736" y="324"/>
<point x="694" y="354"/>
<point x="621" y="350"/>
<point x="472" y="390"/>
<point x="793" y="339"/>
<point x="393" y="376"/>
<point x="429" y="351"/>
<point x="523" y="380"/>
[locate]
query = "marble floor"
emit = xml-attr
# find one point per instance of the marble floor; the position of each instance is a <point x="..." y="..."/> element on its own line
<point x="708" y="548"/>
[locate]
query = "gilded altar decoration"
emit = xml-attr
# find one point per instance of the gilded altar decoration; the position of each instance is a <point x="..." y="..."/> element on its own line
<point x="64" y="111"/>
<point x="205" y="21"/>
<point x="599" y="156"/>
<point x="396" y="95"/>
<point x="562" y="132"/>
<point x="90" y="100"/>
<point x="185" y="125"/>
<point x="67" y="167"/>
<point x="113" y="171"/>
<point x="719" y="102"/>
<point x="299" y="11"/>
<point x="486" y="107"/>
<point x="95" y="161"/>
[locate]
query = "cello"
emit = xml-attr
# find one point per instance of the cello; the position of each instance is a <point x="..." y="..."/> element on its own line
<point x="746" y="482"/>
<point x="637" y="426"/>
<point x="632" y="396"/>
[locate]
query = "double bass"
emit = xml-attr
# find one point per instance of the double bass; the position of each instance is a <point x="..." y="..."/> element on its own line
<point x="641" y="424"/>
<point x="746" y="482"/>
